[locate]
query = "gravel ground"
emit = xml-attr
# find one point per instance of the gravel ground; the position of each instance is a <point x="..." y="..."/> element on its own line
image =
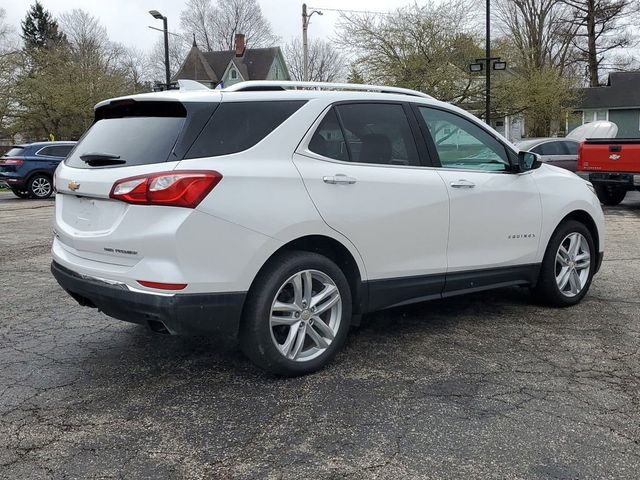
<point x="484" y="386"/>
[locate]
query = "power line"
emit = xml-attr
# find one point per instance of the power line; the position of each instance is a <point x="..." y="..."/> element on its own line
<point x="350" y="11"/>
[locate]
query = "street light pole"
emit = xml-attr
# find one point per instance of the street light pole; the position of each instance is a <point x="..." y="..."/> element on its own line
<point x="167" y="70"/>
<point x="305" y="43"/>
<point x="487" y="113"/>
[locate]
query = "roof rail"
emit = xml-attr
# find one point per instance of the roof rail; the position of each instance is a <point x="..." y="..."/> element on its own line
<point x="266" y="85"/>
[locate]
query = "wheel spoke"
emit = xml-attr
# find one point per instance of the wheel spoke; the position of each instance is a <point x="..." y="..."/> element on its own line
<point x="285" y="307"/>
<point x="574" y="244"/>
<point x="308" y="286"/>
<point x="323" y="328"/>
<point x="583" y="263"/>
<point x="574" y="282"/>
<point x="563" y="277"/>
<point x="315" y="336"/>
<point x="327" y="291"/>
<point x="285" y="348"/>
<point x="328" y="304"/>
<point x="298" y="291"/>
<point x="297" y="347"/>
<point x="561" y="259"/>
<point x="275" y="320"/>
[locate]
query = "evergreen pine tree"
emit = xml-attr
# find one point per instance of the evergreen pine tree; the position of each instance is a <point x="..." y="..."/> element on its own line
<point x="39" y="29"/>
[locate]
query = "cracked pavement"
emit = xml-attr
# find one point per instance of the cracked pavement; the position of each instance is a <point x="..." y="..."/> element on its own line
<point x="483" y="386"/>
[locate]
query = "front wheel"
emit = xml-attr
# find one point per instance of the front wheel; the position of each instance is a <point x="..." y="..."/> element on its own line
<point x="610" y="196"/>
<point x="568" y="265"/>
<point x="297" y="314"/>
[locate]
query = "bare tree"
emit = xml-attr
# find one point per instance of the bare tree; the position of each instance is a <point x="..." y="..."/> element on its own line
<point x="198" y="19"/>
<point x="216" y="24"/>
<point x="425" y="47"/>
<point x="600" y="27"/>
<point x="178" y="49"/>
<point x="326" y="63"/>
<point x="539" y="31"/>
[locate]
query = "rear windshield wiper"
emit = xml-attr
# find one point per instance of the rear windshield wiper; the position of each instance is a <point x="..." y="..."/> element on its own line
<point x="98" y="159"/>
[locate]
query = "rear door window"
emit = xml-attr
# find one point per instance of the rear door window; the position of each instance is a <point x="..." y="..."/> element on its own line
<point x="328" y="140"/>
<point x="378" y="133"/>
<point x="60" y="151"/>
<point x="550" y="148"/>
<point x="238" y="126"/>
<point x="572" y="147"/>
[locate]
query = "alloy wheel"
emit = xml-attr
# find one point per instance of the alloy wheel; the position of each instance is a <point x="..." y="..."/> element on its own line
<point x="305" y="315"/>
<point x="41" y="187"/>
<point x="573" y="264"/>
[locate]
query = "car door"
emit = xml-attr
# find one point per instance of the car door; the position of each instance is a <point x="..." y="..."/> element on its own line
<point x="495" y="215"/>
<point x="365" y="173"/>
<point x="556" y="153"/>
<point x="49" y="157"/>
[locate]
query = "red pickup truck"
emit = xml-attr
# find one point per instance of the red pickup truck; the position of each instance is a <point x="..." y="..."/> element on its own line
<point x="612" y="165"/>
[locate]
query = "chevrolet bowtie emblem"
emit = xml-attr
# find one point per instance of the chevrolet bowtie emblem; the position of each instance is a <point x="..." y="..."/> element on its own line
<point x="614" y="157"/>
<point x="73" y="186"/>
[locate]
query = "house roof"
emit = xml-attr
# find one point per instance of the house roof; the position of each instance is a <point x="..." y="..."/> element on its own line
<point x="254" y="64"/>
<point x="622" y="91"/>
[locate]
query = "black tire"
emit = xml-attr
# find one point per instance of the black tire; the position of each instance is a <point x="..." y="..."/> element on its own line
<point x="610" y="196"/>
<point x="547" y="291"/>
<point x="20" y="193"/>
<point x="40" y="186"/>
<point x="256" y="339"/>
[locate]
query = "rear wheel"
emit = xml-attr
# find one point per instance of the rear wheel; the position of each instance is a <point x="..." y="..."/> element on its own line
<point x="40" y="187"/>
<point x="20" y="193"/>
<point x="297" y="314"/>
<point x="568" y="265"/>
<point x="610" y="196"/>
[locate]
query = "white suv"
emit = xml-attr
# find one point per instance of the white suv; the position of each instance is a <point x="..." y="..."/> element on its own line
<point x="278" y="213"/>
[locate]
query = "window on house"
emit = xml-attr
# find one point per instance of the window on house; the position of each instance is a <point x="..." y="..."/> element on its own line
<point x="234" y="74"/>
<point x="593" y="115"/>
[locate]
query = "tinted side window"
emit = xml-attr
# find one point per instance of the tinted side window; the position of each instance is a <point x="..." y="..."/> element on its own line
<point x="328" y="140"/>
<point x="378" y="133"/>
<point x="56" y="151"/>
<point x="462" y="144"/>
<point x="44" y="152"/>
<point x="235" y="127"/>
<point x="551" y="148"/>
<point x="572" y="147"/>
<point x="14" y="151"/>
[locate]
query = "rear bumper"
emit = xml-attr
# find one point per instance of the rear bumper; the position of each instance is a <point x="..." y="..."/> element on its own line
<point x="11" y="179"/>
<point x="180" y="314"/>
<point x="627" y="181"/>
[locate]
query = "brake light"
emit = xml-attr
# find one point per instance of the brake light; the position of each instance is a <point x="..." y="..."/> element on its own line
<point x="11" y="161"/>
<point x="186" y="188"/>
<point x="163" y="286"/>
<point x="580" y="165"/>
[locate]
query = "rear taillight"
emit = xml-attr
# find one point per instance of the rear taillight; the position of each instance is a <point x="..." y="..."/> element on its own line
<point x="11" y="161"/>
<point x="185" y="188"/>
<point x="580" y="165"/>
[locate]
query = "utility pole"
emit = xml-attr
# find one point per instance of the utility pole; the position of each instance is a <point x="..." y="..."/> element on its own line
<point x="305" y="46"/>
<point x="487" y="113"/>
<point x="305" y="43"/>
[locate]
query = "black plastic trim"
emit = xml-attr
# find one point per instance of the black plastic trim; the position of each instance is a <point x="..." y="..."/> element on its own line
<point x="181" y="314"/>
<point x="394" y="292"/>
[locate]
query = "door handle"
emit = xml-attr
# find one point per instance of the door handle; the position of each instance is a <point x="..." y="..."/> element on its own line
<point x="339" y="179"/>
<point x="462" y="183"/>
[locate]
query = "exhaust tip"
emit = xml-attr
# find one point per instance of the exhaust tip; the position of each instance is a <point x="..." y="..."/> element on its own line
<point x="158" y="327"/>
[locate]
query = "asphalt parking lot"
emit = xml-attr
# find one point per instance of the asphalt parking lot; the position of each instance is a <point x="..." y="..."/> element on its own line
<point x="485" y="386"/>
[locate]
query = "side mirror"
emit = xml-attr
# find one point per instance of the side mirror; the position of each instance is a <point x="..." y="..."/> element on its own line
<point x="528" y="161"/>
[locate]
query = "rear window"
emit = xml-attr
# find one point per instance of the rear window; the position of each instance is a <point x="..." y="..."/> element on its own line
<point x="238" y="126"/>
<point x="136" y="140"/>
<point x="14" y="151"/>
